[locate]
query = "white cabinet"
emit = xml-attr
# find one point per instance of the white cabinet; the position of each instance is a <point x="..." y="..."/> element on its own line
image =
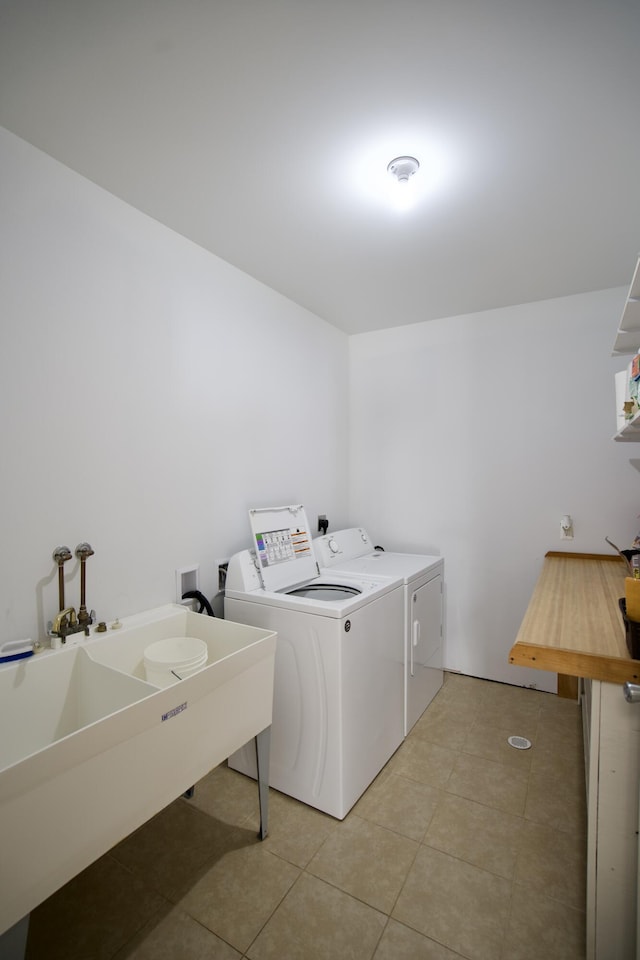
<point x="612" y="756"/>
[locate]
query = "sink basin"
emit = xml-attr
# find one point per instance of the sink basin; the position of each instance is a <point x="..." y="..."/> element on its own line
<point x="90" y="750"/>
<point x="123" y="649"/>
<point x="49" y="698"/>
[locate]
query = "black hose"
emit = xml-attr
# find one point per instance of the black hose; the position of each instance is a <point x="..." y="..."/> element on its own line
<point x="202" y="600"/>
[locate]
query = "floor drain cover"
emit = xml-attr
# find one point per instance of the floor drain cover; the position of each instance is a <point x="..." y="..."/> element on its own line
<point x="520" y="743"/>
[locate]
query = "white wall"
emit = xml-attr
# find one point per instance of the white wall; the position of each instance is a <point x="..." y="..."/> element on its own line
<point x="150" y="394"/>
<point x="472" y="436"/>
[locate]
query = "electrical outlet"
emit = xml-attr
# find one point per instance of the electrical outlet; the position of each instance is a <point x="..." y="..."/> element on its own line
<point x="187" y="578"/>
<point x="566" y="528"/>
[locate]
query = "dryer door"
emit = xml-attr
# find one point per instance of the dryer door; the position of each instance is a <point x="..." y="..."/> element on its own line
<point x="424" y="655"/>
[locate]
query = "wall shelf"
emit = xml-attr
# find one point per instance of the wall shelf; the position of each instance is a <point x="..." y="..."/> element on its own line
<point x="630" y="433"/>
<point x="628" y="342"/>
<point x="628" y="335"/>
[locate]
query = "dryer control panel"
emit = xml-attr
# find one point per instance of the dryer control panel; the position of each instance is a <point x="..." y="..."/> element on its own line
<point x="342" y="545"/>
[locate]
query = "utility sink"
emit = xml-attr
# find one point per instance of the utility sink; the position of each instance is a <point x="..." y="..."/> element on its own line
<point x="90" y="750"/>
<point x="50" y="698"/>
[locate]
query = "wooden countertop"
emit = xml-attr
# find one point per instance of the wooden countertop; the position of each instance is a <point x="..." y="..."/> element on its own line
<point x="573" y="623"/>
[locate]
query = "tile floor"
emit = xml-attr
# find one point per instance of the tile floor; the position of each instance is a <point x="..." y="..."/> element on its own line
<point x="462" y="847"/>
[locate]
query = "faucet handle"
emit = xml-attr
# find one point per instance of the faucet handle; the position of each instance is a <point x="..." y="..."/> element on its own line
<point x="84" y="550"/>
<point x="61" y="555"/>
<point x="66" y="618"/>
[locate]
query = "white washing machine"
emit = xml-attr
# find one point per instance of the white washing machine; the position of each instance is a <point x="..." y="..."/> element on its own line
<point x="351" y="552"/>
<point x="339" y="672"/>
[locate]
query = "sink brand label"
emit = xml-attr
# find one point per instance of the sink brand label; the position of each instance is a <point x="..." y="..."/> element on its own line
<point x="174" y="712"/>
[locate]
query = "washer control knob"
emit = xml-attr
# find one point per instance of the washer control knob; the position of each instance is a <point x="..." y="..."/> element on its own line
<point x="333" y="546"/>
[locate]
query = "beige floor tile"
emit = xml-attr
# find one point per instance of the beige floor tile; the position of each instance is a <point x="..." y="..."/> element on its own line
<point x="542" y="927"/>
<point x="487" y="838"/>
<point x="556" y="802"/>
<point x="316" y="921"/>
<point x="440" y="839"/>
<point x="227" y="795"/>
<point x="560" y="750"/>
<point x="559" y="709"/>
<point x="459" y="697"/>
<point x="401" y="943"/>
<point x="564" y="763"/>
<point x="424" y="762"/>
<point x="402" y="805"/>
<point x="445" y="726"/>
<point x="170" y="850"/>
<point x="459" y="688"/>
<point x="491" y="743"/>
<point x="93" y="915"/>
<point x="296" y="831"/>
<point x="175" y="936"/>
<point x="554" y="862"/>
<point x="461" y="703"/>
<point x="239" y="892"/>
<point x="458" y="905"/>
<point x="496" y="785"/>
<point x="513" y="715"/>
<point x="507" y="695"/>
<point x="561" y="727"/>
<point x="367" y="861"/>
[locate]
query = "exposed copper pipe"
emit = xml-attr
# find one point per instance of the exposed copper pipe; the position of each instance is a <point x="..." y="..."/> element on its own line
<point x="83" y="550"/>
<point x="61" y="555"/>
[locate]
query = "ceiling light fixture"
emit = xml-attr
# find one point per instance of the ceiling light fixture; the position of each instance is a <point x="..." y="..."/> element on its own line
<point x="401" y="195"/>
<point x="403" y="168"/>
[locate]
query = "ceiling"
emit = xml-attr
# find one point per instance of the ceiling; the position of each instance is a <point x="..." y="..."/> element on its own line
<point x="262" y="129"/>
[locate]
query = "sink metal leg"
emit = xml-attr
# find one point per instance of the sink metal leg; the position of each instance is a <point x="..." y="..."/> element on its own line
<point x="263" y="745"/>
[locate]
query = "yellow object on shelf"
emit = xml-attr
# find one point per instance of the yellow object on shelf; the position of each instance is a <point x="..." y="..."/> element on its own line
<point x="632" y="593"/>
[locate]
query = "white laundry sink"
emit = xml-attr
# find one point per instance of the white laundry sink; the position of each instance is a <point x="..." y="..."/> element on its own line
<point x="90" y="750"/>
<point x="49" y="698"/>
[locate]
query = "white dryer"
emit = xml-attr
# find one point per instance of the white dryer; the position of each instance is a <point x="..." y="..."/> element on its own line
<point x="351" y="553"/>
<point x="339" y="672"/>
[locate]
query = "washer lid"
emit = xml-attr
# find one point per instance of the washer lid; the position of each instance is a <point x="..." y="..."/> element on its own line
<point x="282" y="542"/>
